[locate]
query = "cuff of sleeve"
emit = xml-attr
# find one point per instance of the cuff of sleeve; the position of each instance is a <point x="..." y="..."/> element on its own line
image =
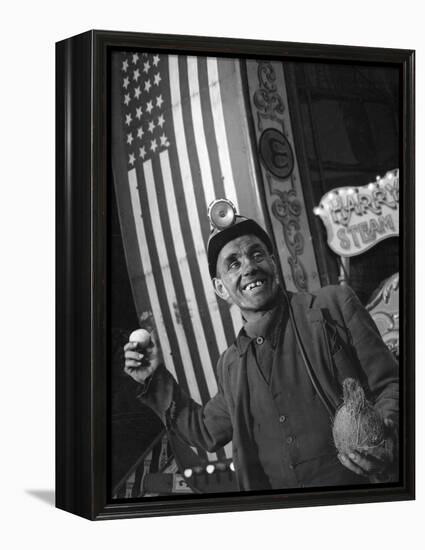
<point x="144" y="387"/>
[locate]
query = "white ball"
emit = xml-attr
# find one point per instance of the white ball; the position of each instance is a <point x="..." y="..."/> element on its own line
<point x="141" y="336"/>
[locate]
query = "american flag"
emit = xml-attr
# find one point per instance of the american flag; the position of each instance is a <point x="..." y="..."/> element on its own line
<point x="180" y="139"/>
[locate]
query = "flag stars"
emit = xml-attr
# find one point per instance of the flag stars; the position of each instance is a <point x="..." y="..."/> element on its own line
<point x="161" y="121"/>
<point x="131" y="159"/>
<point x="126" y="82"/>
<point x="155" y="60"/>
<point x="142" y="152"/>
<point x="154" y="145"/>
<point x="148" y="85"/>
<point x="151" y="126"/>
<point x="128" y="119"/>
<point x="159" y="101"/>
<point x="146" y="67"/>
<point x="135" y="58"/>
<point x="164" y="140"/>
<point x="125" y="65"/>
<point x="136" y="75"/>
<point x="137" y="92"/>
<point x="138" y="113"/>
<point x="127" y="99"/>
<point x="149" y="107"/>
<point x="157" y="79"/>
<point x="130" y="138"/>
<point x="140" y="132"/>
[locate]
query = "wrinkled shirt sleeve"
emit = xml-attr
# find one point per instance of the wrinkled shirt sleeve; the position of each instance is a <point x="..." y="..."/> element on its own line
<point x="208" y="427"/>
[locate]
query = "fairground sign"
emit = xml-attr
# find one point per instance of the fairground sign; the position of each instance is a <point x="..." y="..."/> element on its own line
<point x="357" y="218"/>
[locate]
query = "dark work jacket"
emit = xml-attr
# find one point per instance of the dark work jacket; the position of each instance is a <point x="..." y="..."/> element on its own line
<point x="340" y="340"/>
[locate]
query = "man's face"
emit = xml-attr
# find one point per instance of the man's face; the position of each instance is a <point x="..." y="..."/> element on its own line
<point x="246" y="274"/>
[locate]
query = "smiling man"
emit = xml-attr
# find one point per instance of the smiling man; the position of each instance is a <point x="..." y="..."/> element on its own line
<point x="280" y="382"/>
<point x="246" y="276"/>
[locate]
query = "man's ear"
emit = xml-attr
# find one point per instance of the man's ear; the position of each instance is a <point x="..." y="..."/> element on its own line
<point x="220" y="289"/>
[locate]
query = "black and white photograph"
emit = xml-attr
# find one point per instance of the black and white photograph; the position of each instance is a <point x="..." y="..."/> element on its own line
<point x="212" y="271"/>
<point x="254" y="275"/>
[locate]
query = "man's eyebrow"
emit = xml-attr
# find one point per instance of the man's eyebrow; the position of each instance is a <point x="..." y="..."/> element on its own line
<point x="232" y="256"/>
<point x="256" y="246"/>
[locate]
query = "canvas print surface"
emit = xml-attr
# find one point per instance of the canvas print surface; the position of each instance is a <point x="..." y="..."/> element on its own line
<point x="255" y="240"/>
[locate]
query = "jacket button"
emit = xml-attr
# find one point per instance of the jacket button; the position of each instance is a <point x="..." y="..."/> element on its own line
<point x="282" y="418"/>
<point x="260" y="340"/>
<point x="289" y="439"/>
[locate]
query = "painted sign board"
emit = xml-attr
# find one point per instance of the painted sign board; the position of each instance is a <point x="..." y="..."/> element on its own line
<point x="357" y="218"/>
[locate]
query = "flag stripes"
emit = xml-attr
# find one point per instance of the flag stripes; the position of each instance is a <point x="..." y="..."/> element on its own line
<point x="220" y="131"/>
<point x="208" y="126"/>
<point x="202" y="179"/>
<point x="172" y="281"/>
<point x="150" y="281"/>
<point x="179" y="190"/>
<point x="192" y="301"/>
<point x="189" y="199"/>
<point x="152" y="270"/>
<point x="195" y="137"/>
<point x="238" y="138"/>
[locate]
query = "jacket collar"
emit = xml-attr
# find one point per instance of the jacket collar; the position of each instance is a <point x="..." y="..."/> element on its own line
<point x="268" y="326"/>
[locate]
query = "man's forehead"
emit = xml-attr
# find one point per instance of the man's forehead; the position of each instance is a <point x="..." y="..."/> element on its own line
<point x="244" y="242"/>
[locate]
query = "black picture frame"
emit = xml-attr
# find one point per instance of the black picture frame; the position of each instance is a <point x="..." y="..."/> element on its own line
<point x="82" y="173"/>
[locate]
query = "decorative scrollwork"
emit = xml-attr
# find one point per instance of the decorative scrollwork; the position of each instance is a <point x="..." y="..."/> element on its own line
<point x="299" y="274"/>
<point x="276" y="153"/>
<point x="266" y="98"/>
<point x="391" y="287"/>
<point x="287" y="209"/>
<point x="278" y="159"/>
<point x="384" y="310"/>
<point x="267" y="76"/>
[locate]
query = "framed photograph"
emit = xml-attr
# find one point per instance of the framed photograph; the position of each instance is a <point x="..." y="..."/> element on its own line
<point x="235" y="275"/>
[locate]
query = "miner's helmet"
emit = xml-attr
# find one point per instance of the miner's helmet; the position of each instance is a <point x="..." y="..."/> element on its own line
<point x="227" y="225"/>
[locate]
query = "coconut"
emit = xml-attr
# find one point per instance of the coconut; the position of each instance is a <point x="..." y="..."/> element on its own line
<point x="358" y="426"/>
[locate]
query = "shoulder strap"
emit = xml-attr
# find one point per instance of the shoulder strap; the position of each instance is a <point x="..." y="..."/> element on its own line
<point x="311" y="374"/>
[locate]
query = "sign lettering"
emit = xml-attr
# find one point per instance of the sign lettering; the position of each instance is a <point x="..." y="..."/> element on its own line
<point x="357" y="218"/>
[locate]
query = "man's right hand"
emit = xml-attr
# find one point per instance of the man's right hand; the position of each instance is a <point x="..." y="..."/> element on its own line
<point x="140" y="362"/>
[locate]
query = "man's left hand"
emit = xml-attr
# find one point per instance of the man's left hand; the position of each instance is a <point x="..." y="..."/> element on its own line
<point x="375" y="466"/>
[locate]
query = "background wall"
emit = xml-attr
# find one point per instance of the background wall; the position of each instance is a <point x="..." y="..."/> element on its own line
<point x="28" y="33"/>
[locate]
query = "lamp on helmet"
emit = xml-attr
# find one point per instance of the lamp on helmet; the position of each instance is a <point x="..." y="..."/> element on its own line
<point x="227" y="225"/>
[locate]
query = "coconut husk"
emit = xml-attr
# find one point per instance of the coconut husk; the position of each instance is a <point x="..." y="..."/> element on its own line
<point x="358" y="426"/>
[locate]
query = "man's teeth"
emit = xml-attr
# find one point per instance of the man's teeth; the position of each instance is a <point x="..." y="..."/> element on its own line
<point x="253" y="285"/>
